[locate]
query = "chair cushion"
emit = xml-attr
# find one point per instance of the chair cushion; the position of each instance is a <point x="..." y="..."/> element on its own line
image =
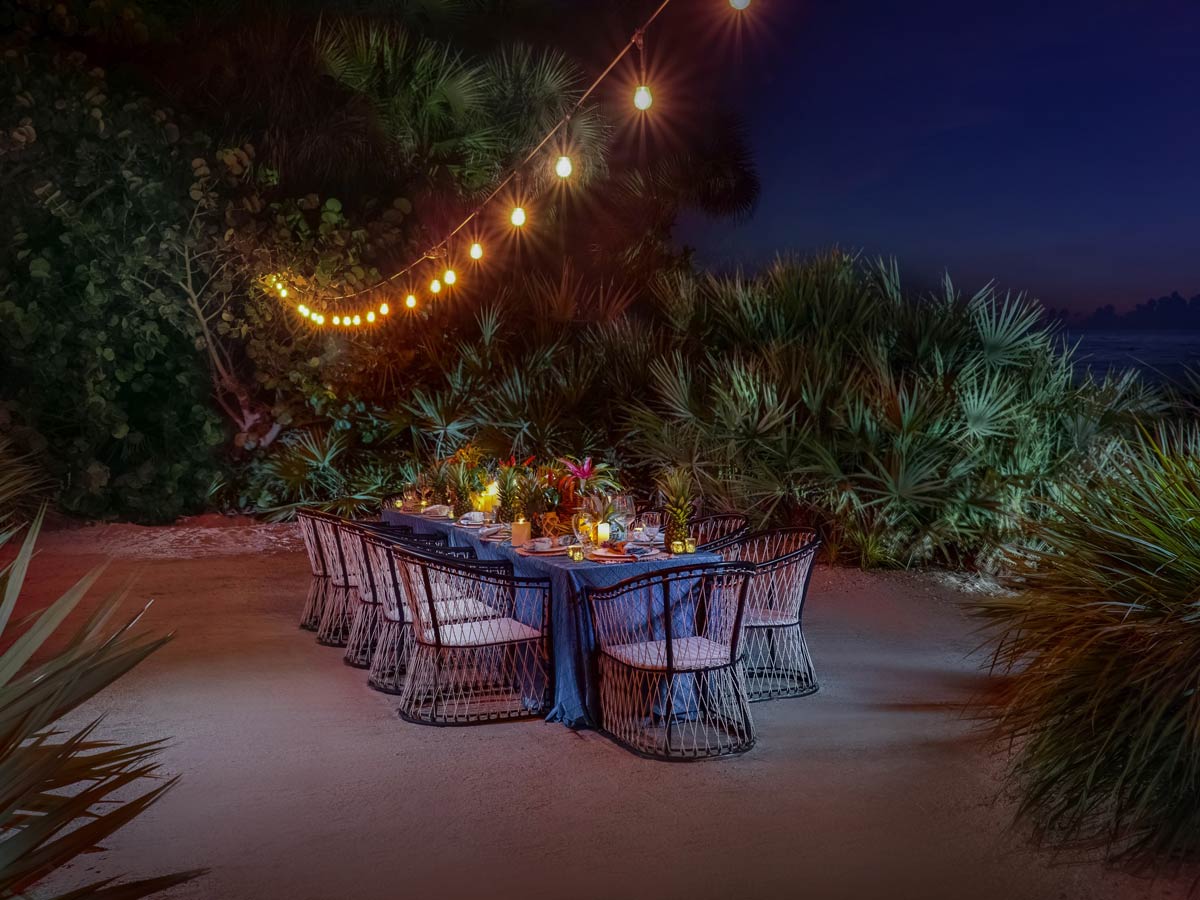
<point x="768" y="618"/>
<point x="482" y="632"/>
<point x="691" y="654"/>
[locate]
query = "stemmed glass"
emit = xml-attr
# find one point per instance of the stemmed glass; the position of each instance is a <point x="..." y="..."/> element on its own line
<point x="623" y="514"/>
<point x="582" y="525"/>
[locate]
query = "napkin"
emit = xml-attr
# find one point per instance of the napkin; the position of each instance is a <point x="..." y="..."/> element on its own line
<point x="437" y="510"/>
<point x="472" y="518"/>
<point x="639" y="551"/>
<point x="542" y="544"/>
<point x="488" y="531"/>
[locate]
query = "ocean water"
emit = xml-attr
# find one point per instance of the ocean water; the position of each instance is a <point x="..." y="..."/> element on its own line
<point x="1160" y="355"/>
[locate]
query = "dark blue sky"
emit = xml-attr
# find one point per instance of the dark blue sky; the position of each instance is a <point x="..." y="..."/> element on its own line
<point x="1052" y="146"/>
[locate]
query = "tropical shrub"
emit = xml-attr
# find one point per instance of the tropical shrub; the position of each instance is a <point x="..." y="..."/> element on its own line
<point x="62" y="795"/>
<point x="1101" y="643"/>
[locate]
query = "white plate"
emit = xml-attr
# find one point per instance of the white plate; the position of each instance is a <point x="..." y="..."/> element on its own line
<point x="553" y="551"/>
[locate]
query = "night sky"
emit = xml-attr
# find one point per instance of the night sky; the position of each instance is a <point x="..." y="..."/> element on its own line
<point x="1053" y="146"/>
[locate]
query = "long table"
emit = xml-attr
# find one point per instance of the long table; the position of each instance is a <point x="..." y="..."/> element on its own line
<point x="575" y="681"/>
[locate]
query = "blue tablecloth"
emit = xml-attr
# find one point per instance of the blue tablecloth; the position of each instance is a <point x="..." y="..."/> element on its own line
<point x="575" y="687"/>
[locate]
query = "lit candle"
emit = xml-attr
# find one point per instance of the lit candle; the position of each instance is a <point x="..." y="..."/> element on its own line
<point x="690" y="545"/>
<point x="677" y="547"/>
<point x="575" y="552"/>
<point x="603" y="532"/>
<point x="521" y="532"/>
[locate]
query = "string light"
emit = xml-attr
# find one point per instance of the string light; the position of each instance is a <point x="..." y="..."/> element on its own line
<point x="643" y="100"/>
<point x="384" y="309"/>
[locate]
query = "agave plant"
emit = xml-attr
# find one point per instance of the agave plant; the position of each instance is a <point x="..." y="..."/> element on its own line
<point x="1100" y="643"/>
<point x="62" y="795"/>
<point x="22" y="483"/>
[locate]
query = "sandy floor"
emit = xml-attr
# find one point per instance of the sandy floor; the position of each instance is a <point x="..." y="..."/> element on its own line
<point x="300" y="783"/>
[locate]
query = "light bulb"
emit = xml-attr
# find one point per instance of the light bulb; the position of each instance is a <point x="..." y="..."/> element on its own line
<point x="477" y="251"/>
<point x="371" y="316"/>
<point x="435" y="286"/>
<point x="410" y="301"/>
<point x="303" y="310"/>
<point x="345" y="321"/>
<point x="450" y="277"/>
<point x="642" y="98"/>
<point x="283" y="292"/>
<point x="319" y="319"/>
<point x="279" y="285"/>
<point x="563" y="168"/>
<point x="337" y="320"/>
<point x="358" y="320"/>
<point x="518" y="216"/>
<point x="739" y="4"/>
<point x="384" y="309"/>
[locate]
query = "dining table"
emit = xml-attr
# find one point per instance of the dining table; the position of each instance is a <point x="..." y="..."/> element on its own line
<point x="576" y="682"/>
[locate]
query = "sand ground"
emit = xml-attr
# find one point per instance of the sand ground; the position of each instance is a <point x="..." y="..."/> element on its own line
<point x="298" y="782"/>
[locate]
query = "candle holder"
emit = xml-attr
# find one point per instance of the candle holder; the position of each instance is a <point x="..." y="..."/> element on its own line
<point x="677" y="548"/>
<point x="522" y="531"/>
<point x="689" y="545"/>
<point x="575" y="553"/>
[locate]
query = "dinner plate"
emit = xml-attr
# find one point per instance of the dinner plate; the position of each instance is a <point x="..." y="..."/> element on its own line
<point x="469" y="524"/>
<point x="553" y="551"/>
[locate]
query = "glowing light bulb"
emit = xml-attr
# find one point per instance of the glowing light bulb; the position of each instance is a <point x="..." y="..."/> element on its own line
<point x="384" y="309"/>
<point x="410" y="301"/>
<point x="279" y="285"/>
<point x="450" y="277"/>
<point x="319" y="319"/>
<point x="303" y="310"/>
<point x="563" y="168"/>
<point x="358" y="320"/>
<point x="346" y="321"/>
<point x="337" y="321"/>
<point x="435" y="286"/>
<point x="477" y="251"/>
<point x="518" y="217"/>
<point x="371" y="316"/>
<point x="283" y="292"/>
<point x="642" y="98"/>
<point x="739" y="4"/>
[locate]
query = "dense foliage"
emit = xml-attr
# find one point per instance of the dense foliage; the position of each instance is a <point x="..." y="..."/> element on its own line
<point x="1102" y="643"/>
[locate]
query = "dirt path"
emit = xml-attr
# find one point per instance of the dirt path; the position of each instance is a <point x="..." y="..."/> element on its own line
<point x="300" y="783"/>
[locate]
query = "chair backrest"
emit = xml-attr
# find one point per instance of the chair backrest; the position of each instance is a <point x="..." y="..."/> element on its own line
<point x="650" y="615"/>
<point x="443" y="593"/>
<point x="312" y="543"/>
<point x="713" y="532"/>
<point x="385" y="576"/>
<point x="783" y="566"/>
<point x="337" y="567"/>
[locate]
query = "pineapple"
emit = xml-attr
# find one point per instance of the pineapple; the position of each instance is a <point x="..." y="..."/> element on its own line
<point x="678" y="493"/>
<point x="465" y="481"/>
<point x="508" y="505"/>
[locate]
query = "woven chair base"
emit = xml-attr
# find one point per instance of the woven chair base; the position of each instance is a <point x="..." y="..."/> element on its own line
<point x="778" y="665"/>
<point x="334" y="630"/>
<point x="364" y="635"/>
<point x="314" y="604"/>
<point x="390" y="661"/>
<point x="684" y="717"/>
<point x="474" y="685"/>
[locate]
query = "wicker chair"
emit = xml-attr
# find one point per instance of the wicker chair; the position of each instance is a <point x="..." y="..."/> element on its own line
<point x="394" y="642"/>
<point x="314" y="602"/>
<point x="713" y="532"/>
<point x="334" y="629"/>
<point x="670" y="661"/>
<point x="778" y="663"/>
<point x="481" y="648"/>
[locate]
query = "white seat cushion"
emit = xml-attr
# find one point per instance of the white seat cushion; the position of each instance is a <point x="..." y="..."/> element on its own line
<point x="690" y="654"/>
<point x="482" y="631"/>
<point x="767" y="618"/>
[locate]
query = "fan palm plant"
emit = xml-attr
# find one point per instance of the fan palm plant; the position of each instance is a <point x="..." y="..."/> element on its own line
<point x="62" y="795"/>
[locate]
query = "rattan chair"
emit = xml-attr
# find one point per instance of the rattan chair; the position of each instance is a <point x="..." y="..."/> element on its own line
<point x="778" y="663"/>
<point x="318" y="587"/>
<point x="394" y="642"/>
<point x="670" y="661"/>
<point x="713" y="532"/>
<point x="480" y="642"/>
<point x="334" y="629"/>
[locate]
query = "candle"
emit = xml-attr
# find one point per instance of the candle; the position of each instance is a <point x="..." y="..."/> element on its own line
<point x="575" y="551"/>
<point x="677" y="547"/>
<point x="690" y="545"/>
<point x="521" y="532"/>
<point x="603" y="532"/>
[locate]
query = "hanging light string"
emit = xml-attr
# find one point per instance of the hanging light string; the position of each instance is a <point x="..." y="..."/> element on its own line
<point x="563" y="168"/>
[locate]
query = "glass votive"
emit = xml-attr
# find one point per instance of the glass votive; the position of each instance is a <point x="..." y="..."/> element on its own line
<point x="677" y="547"/>
<point x="575" y="552"/>
<point x="689" y="545"/>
